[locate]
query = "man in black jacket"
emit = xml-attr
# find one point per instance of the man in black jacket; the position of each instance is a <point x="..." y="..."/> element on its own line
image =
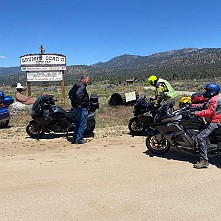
<point x="80" y="103"/>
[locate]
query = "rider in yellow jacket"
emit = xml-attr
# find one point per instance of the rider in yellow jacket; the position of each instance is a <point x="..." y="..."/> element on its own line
<point x="164" y="90"/>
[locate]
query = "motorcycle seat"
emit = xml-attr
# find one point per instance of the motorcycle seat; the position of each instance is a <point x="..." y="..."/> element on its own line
<point x="69" y="114"/>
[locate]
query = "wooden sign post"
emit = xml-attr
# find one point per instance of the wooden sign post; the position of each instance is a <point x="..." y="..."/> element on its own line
<point x="44" y="67"/>
<point x="62" y="88"/>
<point x="29" y="88"/>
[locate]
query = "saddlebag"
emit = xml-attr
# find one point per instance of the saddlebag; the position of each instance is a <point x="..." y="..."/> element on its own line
<point x="4" y="114"/>
<point x="197" y="98"/>
<point x="94" y="104"/>
<point x="8" y="100"/>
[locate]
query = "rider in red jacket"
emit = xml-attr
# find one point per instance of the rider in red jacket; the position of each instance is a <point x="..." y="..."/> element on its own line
<point x="212" y="115"/>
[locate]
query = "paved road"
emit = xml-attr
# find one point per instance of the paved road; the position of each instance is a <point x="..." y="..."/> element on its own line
<point x="189" y="93"/>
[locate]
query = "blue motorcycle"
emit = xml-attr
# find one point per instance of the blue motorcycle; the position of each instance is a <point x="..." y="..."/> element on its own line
<point x="5" y="101"/>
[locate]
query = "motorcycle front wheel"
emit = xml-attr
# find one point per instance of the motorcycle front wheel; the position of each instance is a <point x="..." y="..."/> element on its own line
<point x="157" y="144"/>
<point x="34" y="130"/>
<point x="136" y="126"/>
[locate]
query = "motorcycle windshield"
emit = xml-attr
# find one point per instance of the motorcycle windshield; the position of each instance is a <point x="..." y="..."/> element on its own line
<point x="163" y="111"/>
<point x="168" y="104"/>
<point x="37" y="102"/>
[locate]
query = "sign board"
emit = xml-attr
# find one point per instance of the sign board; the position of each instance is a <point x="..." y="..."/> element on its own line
<point x="42" y="59"/>
<point x="43" y="62"/>
<point x="44" y="67"/>
<point x="53" y="68"/>
<point x="44" y="76"/>
<point x="130" y="96"/>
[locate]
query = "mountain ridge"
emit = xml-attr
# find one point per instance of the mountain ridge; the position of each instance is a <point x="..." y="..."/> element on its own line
<point x="174" y="64"/>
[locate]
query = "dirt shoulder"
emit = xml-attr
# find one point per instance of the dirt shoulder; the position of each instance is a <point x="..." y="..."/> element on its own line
<point x="112" y="177"/>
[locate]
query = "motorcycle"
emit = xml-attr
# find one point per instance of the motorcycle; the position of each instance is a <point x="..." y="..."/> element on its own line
<point x="47" y="117"/>
<point x="179" y="129"/>
<point x="5" y="102"/>
<point x="144" y="113"/>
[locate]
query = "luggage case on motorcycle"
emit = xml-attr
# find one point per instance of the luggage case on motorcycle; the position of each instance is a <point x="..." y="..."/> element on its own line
<point x="94" y="104"/>
<point x="94" y="98"/>
<point x="4" y="114"/>
<point x="8" y="100"/>
<point x="197" y="98"/>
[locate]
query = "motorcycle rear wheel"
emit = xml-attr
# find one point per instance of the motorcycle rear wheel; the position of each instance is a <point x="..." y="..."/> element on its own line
<point x="157" y="144"/>
<point x="34" y="130"/>
<point x="136" y="126"/>
<point x="90" y="127"/>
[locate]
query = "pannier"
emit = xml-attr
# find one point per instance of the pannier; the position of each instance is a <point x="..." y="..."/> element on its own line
<point x="8" y="100"/>
<point x="197" y="98"/>
<point x="94" y="104"/>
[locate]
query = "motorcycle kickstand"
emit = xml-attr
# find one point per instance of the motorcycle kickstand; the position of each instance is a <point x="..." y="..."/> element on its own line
<point x="65" y="134"/>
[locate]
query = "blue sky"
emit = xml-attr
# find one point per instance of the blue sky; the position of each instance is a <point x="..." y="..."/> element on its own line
<point x="90" y="31"/>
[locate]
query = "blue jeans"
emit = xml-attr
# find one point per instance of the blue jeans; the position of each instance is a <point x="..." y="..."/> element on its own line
<point x="203" y="137"/>
<point x="80" y="123"/>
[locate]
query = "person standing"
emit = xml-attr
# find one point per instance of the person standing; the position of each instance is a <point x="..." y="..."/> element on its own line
<point x="80" y="103"/>
<point x="164" y="91"/>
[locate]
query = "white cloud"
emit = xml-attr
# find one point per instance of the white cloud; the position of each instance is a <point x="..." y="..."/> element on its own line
<point x="2" y="57"/>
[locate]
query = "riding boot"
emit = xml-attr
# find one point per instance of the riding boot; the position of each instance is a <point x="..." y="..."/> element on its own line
<point x="201" y="164"/>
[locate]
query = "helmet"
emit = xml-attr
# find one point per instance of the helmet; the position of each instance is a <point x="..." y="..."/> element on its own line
<point x="151" y="80"/>
<point x="211" y="90"/>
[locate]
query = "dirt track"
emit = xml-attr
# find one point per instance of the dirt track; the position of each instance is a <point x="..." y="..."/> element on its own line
<point x="109" y="178"/>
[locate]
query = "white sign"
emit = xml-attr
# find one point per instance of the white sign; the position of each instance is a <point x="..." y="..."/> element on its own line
<point x="44" y="76"/>
<point x="42" y="59"/>
<point x="53" y="68"/>
<point x="130" y="96"/>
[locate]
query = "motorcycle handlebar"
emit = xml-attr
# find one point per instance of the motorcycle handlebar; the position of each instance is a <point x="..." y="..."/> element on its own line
<point x="164" y="112"/>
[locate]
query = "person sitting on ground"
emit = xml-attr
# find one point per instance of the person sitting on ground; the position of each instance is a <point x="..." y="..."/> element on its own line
<point x="164" y="90"/>
<point x="20" y="97"/>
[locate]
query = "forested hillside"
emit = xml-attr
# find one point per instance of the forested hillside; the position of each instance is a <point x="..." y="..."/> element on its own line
<point x="188" y="63"/>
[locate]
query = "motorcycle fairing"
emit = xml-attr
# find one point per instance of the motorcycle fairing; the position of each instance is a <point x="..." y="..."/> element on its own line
<point x="4" y="114"/>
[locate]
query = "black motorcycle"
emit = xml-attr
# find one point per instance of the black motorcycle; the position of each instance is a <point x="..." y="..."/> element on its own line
<point x="144" y="113"/>
<point x="179" y="129"/>
<point x="47" y="117"/>
<point x="5" y="102"/>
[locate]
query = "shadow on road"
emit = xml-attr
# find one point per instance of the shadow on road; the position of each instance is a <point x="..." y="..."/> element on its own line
<point x="138" y="134"/>
<point x="59" y="135"/>
<point x="175" y="154"/>
<point x="179" y="155"/>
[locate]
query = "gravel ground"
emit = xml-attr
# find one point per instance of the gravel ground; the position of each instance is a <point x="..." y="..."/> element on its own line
<point x="109" y="178"/>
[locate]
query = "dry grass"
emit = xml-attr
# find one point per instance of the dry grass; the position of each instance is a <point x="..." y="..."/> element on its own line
<point x="112" y="119"/>
<point x="114" y="116"/>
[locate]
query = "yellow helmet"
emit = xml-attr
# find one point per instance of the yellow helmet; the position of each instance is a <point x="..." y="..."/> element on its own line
<point x="151" y="80"/>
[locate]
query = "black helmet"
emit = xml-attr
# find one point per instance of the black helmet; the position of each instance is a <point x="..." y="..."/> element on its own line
<point x="211" y="90"/>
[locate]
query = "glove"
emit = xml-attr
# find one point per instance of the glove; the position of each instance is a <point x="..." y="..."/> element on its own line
<point x="196" y="113"/>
